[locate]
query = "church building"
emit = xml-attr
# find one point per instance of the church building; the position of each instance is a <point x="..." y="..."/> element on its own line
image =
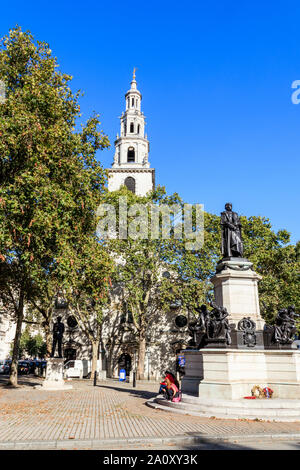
<point x="131" y="165"/>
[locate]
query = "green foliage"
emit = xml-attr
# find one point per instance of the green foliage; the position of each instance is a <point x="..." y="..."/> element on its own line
<point x="88" y="283"/>
<point x="145" y="260"/>
<point x="50" y="180"/>
<point x="275" y="259"/>
<point x="31" y="346"/>
<point x="298" y="251"/>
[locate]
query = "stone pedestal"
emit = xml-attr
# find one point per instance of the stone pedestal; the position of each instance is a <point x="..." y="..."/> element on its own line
<point x="232" y="373"/>
<point x="54" y="376"/>
<point x="102" y="375"/>
<point x="235" y="288"/>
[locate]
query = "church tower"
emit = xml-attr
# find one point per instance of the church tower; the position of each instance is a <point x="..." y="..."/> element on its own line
<point x="131" y="166"/>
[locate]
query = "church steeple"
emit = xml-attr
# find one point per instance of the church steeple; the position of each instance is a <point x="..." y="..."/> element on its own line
<point x="132" y="146"/>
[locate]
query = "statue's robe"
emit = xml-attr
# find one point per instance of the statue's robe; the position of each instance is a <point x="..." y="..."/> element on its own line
<point x="232" y="244"/>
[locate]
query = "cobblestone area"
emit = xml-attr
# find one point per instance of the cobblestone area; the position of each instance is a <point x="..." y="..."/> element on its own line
<point x="111" y="410"/>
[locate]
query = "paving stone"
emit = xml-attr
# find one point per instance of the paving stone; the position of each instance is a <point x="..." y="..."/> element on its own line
<point x="110" y="412"/>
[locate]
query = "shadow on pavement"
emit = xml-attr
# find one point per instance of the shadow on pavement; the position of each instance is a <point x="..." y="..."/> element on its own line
<point x="27" y="380"/>
<point x="133" y="392"/>
<point x="260" y="444"/>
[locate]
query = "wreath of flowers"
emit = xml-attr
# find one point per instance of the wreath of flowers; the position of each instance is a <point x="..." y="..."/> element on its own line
<point x="257" y="392"/>
<point x="268" y="392"/>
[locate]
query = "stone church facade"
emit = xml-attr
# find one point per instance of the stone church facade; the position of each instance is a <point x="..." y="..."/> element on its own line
<point x="164" y="340"/>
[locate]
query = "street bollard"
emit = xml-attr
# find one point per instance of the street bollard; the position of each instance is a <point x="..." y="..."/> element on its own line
<point x="133" y="380"/>
<point x="95" y="378"/>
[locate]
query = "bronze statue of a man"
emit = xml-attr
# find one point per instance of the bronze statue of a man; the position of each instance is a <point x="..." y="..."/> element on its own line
<point x="232" y="244"/>
<point x="58" y="331"/>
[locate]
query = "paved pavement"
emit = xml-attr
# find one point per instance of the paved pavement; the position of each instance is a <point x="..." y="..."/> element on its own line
<point x="114" y="415"/>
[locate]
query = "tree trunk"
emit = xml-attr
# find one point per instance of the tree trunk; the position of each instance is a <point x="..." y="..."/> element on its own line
<point x="95" y="352"/>
<point x="142" y="353"/>
<point x="13" y="378"/>
<point x="48" y="337"/>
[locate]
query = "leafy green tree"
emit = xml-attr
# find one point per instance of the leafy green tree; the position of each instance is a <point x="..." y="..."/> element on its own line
<point x="36" y="346"/>
<point x="50" y="180"/>
<point x="153" y="273"/>
<point x="31" y="345"/>
<point x="25" y="336"/>
<point x="141" y="264"/>
<point x="87" y="288"/>
<point x="275" y="259"/>
<point x="298" y="251"/>
<point x="42" y="302"/>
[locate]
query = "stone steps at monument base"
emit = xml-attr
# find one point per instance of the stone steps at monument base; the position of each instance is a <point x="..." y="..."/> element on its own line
<point x="244" y="404"/>
<point x="281" y="410"/>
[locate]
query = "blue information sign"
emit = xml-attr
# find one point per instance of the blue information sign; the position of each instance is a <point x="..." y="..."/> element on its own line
<point x="181" y="360"/>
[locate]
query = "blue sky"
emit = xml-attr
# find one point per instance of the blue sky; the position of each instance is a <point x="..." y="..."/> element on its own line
<point x="216" y="83"/>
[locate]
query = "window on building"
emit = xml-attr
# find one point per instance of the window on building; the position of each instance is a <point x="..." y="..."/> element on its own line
<point x="130" y="183"/>
<point x="138" y="129"/>
<point x="131" y="127"/>
<point x="131" y="154"/>
<point x="71" y="321"/>
<point x="132" y="102"/>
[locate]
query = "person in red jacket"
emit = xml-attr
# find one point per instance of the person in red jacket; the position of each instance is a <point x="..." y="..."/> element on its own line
<point x="172" y="390"/>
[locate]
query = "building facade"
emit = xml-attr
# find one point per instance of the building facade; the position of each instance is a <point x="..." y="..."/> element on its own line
<point x="119" y="346"/>
<point x="131" y="165"/>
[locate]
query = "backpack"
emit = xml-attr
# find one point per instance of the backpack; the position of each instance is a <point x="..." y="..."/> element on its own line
<point x="177" y="395"/>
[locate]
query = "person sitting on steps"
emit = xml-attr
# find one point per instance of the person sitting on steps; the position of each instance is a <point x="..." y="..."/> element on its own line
<point x="172" y="390"/>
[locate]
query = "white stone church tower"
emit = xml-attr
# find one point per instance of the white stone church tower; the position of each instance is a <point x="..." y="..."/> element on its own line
<point x="131" y="166"/>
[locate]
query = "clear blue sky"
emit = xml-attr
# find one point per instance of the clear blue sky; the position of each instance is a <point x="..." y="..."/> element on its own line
<point x="216" y="82"/>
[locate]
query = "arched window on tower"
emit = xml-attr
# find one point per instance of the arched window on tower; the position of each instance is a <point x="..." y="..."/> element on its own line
<point x="131" y="127"/>
<point x="132" y="102"/>
<point x="138" y="130"/>
<point x="130" y="183"/>
<point x="131" y="154"/>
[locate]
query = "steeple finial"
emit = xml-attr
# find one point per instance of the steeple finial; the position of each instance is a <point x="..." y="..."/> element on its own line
<point x="133" y="75"/>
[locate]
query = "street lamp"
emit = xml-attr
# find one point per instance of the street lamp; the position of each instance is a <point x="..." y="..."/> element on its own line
<point x="148" y="358"/>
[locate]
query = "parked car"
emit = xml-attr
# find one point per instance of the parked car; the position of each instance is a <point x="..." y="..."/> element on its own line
<point x="23" y="367"/>
<point x="7" y="366"/>
<point x="2" y="366"/>
<point x="33" y="364"/>
<point x="79" y="368"/>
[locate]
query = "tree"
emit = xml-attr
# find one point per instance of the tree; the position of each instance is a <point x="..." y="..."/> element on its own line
<point x="50" y="180"/>
<point x="152" y="273"/>
<point x="31" y="346"/>
<point x="275" y="259"/>
<point x="42" y="301"/>
<point x="87" y="288"/>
